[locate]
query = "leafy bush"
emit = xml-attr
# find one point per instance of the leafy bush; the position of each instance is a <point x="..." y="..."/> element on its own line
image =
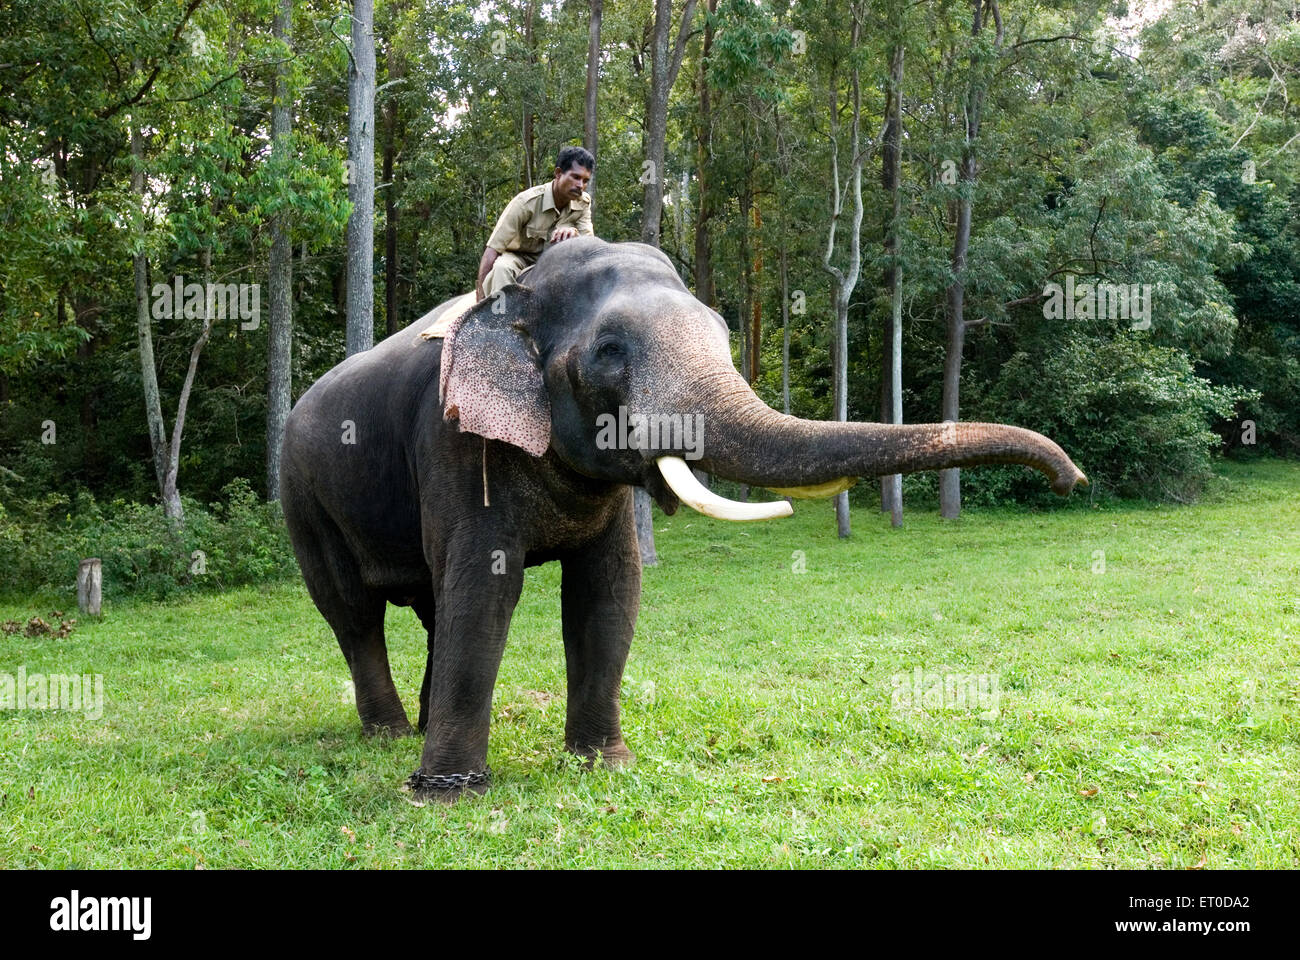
<point x="249" y="538"/>
<point x="232" y="542"/>
<point x="1135" y="417"/>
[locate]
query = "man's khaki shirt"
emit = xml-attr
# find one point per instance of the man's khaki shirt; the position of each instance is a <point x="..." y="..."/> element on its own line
<point x="529" y="219"/>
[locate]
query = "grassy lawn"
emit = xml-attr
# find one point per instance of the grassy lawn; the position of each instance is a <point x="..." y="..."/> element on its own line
<point x="1142" y="715"/>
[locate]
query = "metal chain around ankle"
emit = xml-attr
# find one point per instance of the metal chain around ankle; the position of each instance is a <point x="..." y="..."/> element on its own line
<point x="448" y="781"/>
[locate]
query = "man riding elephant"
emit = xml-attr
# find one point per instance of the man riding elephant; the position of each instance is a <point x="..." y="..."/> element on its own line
<point x="547" y="213"/>
<point x="430" y="472"/>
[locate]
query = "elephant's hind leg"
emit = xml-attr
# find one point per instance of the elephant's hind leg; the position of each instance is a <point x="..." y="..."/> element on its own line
<point x="378" y="704"/>
<point x="355" y="612"/>
<point x="423" y="607"/>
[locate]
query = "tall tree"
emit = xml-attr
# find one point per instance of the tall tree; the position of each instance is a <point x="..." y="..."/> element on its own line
<point x="664" y="66"/>
<point x="753" y="338"/>
<point x="395" y="63"/>
<point x="529" y="139"/>
<point x="166" y="453"/>
<point x="589" y="135"/>
<point x="144" y="333"/>
<point x="703" y="153"/>
<point x="783" y="243"/>
<point x="844" y="279"/>
<point x="891" y="167"/>
<point x="279" y="347"/>
<point x="968" y="173"/>
<point x="361" y="180"/>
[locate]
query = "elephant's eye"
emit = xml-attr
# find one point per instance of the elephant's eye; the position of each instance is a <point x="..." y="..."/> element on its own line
<point x="609" y="350"/>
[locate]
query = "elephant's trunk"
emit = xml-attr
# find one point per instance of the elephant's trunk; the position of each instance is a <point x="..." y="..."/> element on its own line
<point x="747" y="441"/>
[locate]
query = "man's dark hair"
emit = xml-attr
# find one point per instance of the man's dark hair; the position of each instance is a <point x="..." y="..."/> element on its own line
<point x="579" y="156"/>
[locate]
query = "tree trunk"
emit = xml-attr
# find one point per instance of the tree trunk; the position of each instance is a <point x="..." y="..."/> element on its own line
<point x="528" y="138"/>
<point x="279" y="347"/>
<point x="392" y="321"/>
<point x="746" y="298"/>
<point x="361" y="181"/>
<point x="656" y="126"/>
<point x="144" y="334"/>
<point x="589" y="133"/>
<point x="679" y="214"/>
<point x="950" y="480"/>
<point x="746" y="280"/>
<point x="784" y="157"/>
<point x="886" y="380"/>
<point x="888" y="180"/>
<point x="170" y="491"/>
<point x="785" y="331"/>
<point x="955" y="303"/>
<point x="844" y="281"/>
<point x="664" y="66"/>
<point x="955" y="295"/>
<point x="896" y="368"/>
<point x="703" y="155"/>
<point x="892" y="162"/>
<point x="663" y="72"/>
<point x="756" y="298"/>
<point x="413" y="252"/>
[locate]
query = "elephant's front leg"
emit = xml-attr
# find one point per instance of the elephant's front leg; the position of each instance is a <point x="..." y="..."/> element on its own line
<point x="600" y="595"/>
<point x="480" y="586"/>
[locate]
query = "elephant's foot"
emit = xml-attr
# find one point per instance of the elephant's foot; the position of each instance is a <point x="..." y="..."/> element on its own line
<point x="446" y="788"/>
<point x="387" y="728"/>
<point x="389" y="721"/>
<point x="614" y="755"/>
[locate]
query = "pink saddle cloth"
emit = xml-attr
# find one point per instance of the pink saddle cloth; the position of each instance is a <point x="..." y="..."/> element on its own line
<point x="438" y="328"/>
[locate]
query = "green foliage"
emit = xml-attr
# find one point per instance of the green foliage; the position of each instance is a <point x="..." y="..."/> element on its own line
<point x="1135" y="417"/>
<point x="1181" y="171"/>
<point x="1232" y="134"/>
<point x="233" y="542"/>
<point x="39" y="228"/>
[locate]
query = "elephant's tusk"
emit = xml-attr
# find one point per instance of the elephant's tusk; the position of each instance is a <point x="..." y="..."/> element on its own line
<point x="698" y="497"/>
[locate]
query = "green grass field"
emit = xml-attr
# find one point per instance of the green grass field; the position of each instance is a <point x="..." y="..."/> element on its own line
<point x="1142" y="715"/>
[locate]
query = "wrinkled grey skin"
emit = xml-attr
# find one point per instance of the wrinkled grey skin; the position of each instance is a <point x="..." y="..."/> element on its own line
<point x="398" y="515"/>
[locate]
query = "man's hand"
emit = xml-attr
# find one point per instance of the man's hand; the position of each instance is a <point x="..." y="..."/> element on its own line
<point x="484" y="268"/>
<point x="563" y="233"/>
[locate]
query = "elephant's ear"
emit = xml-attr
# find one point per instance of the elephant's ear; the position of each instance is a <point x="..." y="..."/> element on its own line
<point x="491" y="379"/>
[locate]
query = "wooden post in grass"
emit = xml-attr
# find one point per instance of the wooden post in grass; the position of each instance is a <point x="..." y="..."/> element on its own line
<point x="90" y="579"/>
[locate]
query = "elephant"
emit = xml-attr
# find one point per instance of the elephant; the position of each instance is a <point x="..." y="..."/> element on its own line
<point x="430" y="472"/>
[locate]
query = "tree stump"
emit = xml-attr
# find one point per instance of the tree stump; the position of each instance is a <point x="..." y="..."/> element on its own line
<point x="89" y="586"/>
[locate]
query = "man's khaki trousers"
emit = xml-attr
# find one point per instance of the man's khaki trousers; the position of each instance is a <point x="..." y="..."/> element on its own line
<point x="506" y="270"/>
